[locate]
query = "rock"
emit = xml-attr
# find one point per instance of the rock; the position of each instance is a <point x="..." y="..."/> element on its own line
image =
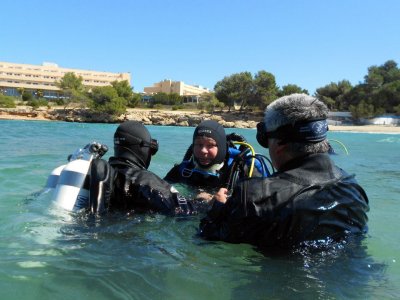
<point x="147" y="117"/>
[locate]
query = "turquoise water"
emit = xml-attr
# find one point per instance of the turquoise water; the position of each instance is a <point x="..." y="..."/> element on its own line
<point x="46" y="253"/>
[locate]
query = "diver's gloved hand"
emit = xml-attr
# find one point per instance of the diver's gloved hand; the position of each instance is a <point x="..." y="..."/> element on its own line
<point x="235" y="137"/>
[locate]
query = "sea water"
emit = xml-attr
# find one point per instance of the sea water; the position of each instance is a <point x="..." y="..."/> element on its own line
<point x="47" y="253"/>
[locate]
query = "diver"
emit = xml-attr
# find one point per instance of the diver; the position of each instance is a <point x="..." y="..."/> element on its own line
<point x="124" y="183"/>
<point x="308" y="199"/>
<point x="215" y="160"/>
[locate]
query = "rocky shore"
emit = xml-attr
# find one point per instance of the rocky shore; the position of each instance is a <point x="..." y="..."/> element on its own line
<point x="146" y="116"/>
<point x="163" y="118"/>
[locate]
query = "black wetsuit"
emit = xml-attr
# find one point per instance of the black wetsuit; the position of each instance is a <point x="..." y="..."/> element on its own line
<point x="122" y="185"/>
<point x="309" y="199"/>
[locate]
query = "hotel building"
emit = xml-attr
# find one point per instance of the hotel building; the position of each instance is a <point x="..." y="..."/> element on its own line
<point x="33" y="78"/>
<point x="190" y="93"/>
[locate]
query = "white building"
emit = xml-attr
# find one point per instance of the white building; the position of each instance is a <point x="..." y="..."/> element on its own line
<point x="43" y="77"/>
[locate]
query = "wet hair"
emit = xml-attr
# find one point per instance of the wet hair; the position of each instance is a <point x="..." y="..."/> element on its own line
<point x="294" y="109"/>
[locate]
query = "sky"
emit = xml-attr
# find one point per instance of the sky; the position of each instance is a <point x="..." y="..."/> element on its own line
<point x="310" y="43"/>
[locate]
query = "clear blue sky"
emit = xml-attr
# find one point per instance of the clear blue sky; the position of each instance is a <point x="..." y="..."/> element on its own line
<point x="305" y="42"/>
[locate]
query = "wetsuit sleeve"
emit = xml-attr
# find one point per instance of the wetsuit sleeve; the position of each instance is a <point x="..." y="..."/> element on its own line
<point x="281" y="213"/>
<point x="218" y="224"/>
<point x="101" y="182"/>
<point x="244" y="218"/>
<point x="158" y="195"/>
<point x="173" y="176"/>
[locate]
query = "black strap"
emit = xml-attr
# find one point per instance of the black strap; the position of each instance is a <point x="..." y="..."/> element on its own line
<point x="101" y="184"/>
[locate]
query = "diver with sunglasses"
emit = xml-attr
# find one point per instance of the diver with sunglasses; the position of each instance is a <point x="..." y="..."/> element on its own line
<point x="124" y="183"/>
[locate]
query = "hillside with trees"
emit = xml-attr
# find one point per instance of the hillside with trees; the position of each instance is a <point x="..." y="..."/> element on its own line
<point x="377" y="94"/>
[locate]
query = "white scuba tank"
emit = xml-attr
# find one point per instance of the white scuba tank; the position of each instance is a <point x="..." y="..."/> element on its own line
<point x="71" y="181"/>
<point x="53" y="178"/>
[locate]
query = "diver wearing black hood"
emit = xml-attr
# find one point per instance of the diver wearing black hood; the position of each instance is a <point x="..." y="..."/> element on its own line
<point x="124" y="183"/>
<point x="209" y="162"/>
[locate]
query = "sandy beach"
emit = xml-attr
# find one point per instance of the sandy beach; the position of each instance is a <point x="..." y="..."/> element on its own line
<point x="367" y="128"/>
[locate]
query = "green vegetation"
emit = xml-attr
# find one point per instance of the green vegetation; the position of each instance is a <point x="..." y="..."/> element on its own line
<point x="105" y="99"/>
<point x="35" y="103"/>
<point x="112" y="100"/>
<point x="7" y="101"/>
<point x="73" y="91"/>
<point x="379" y="93"/>
<point x="210" y="103"/>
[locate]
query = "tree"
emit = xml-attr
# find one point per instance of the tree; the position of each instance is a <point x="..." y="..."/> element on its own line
<point x="224" y="90"/>
<point x="397" y="110"/>
<point x="209" y="102"/>
<point x="21" y="91"/>
<point x="362" y="110"/>
<point x="39" y="93"/>
<point x="381" y="89"/>
<point x="27" y="96"/>
<point x="161" y="98"/>
<point x="291" y="89"/>
<point x="71" y="82"/>
<point x="235" y="89"/>
<point x="264" y="88"/>
<point x="380" y="75"/>
<point x="7" y="101"/>
<point x="134" y="100"/>
<point x="334" y="94"/>
<point x="123" y="88"/>
<point x="174" y="99"/>
<point x="105" y="99"/>
<point x="72" y="89"/>
<point x="244" y="90"/>
<point x="388" y="96"/>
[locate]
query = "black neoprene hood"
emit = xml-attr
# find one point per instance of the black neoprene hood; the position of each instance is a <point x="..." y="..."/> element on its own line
<point x="214" y="130"/>
<point x="131" y="140"/>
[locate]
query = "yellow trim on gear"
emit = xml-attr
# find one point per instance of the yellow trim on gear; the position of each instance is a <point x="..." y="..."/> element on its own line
<point x="341" y="144"/>
<point x="253" y="159"/>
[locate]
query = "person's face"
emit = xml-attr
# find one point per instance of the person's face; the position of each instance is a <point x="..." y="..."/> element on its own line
<point x="274" y="152"/>
<point x="205" y="149"/>
<point x="278" y="153"/>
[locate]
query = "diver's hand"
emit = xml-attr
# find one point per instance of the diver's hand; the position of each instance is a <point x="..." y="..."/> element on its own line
<point x="221" y="195"/>
<point x="204" y="196"/>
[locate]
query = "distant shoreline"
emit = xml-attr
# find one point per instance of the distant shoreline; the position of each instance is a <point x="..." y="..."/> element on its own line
<point x="235" y="122"/>
<point x="367" y="128"/>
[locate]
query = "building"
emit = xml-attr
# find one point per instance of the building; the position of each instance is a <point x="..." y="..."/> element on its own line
<point x="190" y="93"/>
<point x="383" y="120"/>
<point x="340" y="118"/>
<point x="34" y="78"/>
